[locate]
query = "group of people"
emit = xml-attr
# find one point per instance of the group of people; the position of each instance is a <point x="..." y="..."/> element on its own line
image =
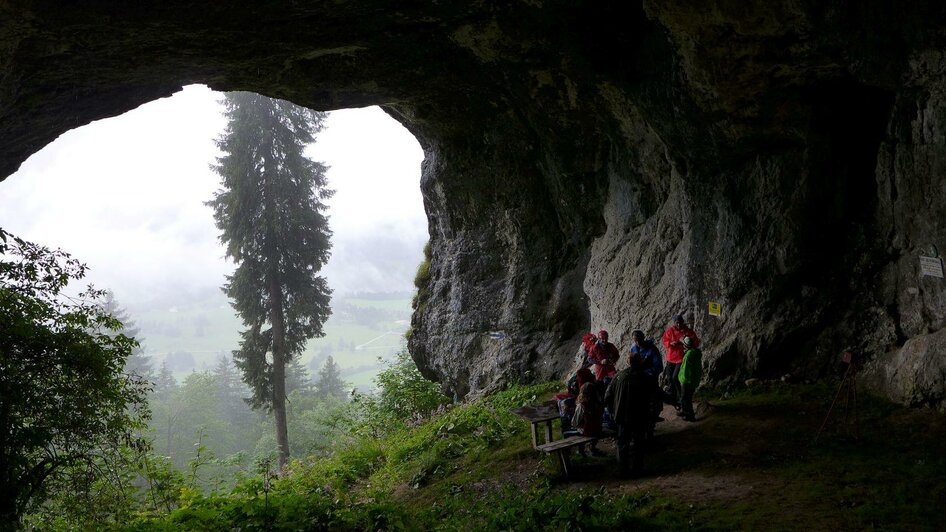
<point x="630" y="401"/>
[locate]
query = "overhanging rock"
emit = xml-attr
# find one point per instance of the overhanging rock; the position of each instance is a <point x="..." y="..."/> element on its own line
<point x="588" y="165"/>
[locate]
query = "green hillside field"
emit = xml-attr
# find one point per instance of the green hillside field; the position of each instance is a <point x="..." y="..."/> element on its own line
<point x="356" y="336"/>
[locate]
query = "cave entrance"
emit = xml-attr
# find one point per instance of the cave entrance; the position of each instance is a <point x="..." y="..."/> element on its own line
<point x="125" y="196"/>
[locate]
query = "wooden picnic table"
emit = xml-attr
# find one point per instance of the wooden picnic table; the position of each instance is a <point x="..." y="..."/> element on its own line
<point x="546" y="413"/>
<point x="536" y="415"/>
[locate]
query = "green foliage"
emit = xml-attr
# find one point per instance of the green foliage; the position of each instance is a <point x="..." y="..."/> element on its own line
<point x="317" y="427"/>
<point x="206" y="419"/>
<point x="207" y="413"/>
<point x="545" y="507"/>
<point x="316" y="424"/>
<point x="472" y="430"/>
<point x="66" y="409"/>
<point x="270" y="212"/>
<point x="164" y="484"/>
<point x="352" y="488"/>
<point x="109" y="492"/>
<point x="422" y="281"/>
<point x="403" y="394"/>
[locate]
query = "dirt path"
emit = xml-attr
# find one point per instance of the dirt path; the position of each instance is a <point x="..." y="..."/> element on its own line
<point x="709" y="460"/>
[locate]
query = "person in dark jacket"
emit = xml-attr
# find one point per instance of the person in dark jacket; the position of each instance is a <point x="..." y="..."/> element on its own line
<point x="628" y="398"/>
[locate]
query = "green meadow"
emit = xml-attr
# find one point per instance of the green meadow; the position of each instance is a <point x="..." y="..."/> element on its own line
<point x="360" y="331"/>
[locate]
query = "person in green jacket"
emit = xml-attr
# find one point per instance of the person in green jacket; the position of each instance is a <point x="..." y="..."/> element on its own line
<point x="691" y="371"/>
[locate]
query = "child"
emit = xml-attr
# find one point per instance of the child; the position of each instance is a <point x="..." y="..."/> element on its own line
<point x="566" y="400"/>
<point x="589" y="411"/>
<point x="691" y="371"/>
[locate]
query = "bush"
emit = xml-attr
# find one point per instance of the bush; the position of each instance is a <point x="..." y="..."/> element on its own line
<point x="353" y="488"/>
<point x="403" y="395"/>
<point x="68" y="411"/>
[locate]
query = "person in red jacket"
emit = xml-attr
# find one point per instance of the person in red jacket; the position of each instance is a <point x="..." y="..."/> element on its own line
<point x="588" y="343"/>
<point x="673" y="341"/>
<point x="605" y="355"/>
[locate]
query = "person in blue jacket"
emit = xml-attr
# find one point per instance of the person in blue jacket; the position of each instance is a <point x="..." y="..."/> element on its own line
<point x="652" y="366"/>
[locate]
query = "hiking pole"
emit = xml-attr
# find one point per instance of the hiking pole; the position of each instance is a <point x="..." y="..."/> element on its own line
<point x="836" y="396"/>
<point x="850" y="381"/>
<point x="854" y="408"/>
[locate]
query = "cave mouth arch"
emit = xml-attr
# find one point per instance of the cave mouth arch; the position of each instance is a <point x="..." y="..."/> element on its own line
<point x="427" y="65"/>
<point x="126" y="196"/>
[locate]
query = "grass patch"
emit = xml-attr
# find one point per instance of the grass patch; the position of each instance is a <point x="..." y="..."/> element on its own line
<point x="403" y="305"/>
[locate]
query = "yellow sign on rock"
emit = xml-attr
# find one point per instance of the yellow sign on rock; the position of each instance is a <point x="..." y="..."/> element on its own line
<point x="715" y="309"/>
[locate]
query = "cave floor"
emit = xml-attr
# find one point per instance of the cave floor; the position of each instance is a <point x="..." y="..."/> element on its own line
<point x="753" y="460"/>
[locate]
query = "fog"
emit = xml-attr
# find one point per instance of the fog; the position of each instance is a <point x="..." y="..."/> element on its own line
<point x="125" y="195"/>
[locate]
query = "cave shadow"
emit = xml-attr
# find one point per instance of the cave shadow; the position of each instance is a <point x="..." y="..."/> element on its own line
<point x="725" y="438"/>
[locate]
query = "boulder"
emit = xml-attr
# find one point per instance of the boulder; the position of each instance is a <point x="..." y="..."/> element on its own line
<point x="914" y="374"/>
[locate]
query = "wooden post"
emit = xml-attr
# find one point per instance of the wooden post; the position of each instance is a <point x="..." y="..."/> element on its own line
<point x="565" y="461"/>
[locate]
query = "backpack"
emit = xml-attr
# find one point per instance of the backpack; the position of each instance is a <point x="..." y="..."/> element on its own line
<point x="572" y="384"/>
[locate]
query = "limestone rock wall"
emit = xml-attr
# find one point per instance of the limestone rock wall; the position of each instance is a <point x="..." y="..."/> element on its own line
<point x="589" y="165"/>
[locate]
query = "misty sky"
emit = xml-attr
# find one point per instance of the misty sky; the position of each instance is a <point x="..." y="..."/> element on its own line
<point x="125" y="195"/>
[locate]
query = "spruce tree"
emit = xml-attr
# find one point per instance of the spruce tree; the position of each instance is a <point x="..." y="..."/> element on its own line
<point x="138" y="363"/>
<point x="164" y="406"/>
<point x="230" y="393"/>
<point x="330" y="382"/>
<point x="297" y="378"/>
<point x="270" y="212"/>
<point x="164" y="384"/>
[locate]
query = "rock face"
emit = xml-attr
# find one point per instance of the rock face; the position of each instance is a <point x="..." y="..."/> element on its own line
<point x="589" y="165"/>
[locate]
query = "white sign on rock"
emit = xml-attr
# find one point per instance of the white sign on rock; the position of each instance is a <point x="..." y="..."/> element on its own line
<point x="931" y="266"/>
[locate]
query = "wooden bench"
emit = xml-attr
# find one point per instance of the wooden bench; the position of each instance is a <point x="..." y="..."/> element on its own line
<point x="544" y="414"/>
<point x="563" y="448"/>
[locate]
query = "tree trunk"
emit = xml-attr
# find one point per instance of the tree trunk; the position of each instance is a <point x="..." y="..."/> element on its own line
<point x="10" y="489"/>
<point x="9" y="494"/>
<point x="275" y="293"/>
<point x="9" y="516"/>
<point x="279" y="371"/>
